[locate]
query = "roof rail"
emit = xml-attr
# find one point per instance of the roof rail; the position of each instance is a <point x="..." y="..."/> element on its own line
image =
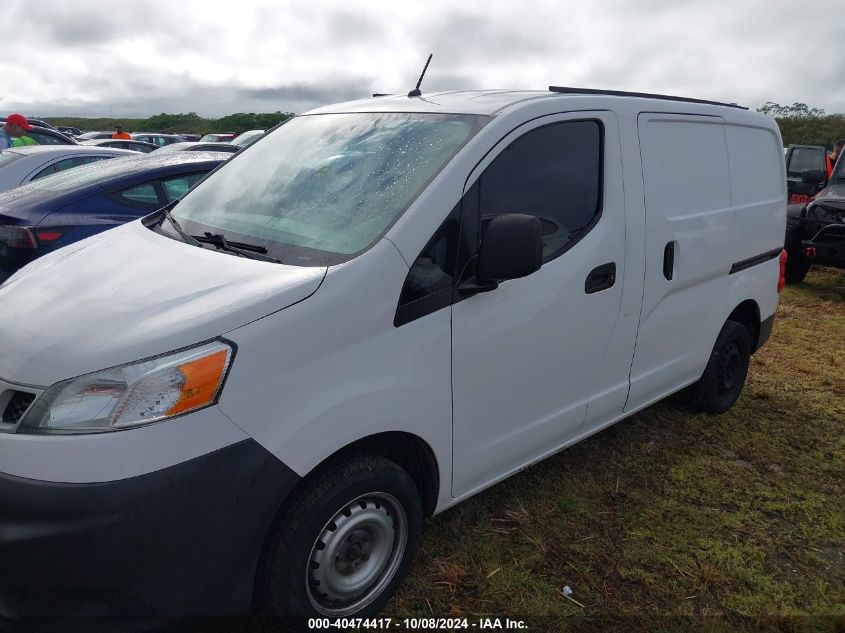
<point x="646" y="95"/>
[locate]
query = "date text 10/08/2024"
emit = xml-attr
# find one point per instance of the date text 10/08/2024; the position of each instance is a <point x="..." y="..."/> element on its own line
<point x="419" y="624"/>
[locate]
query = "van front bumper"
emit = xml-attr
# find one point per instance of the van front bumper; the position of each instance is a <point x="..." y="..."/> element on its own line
<point x="184" y="540"/>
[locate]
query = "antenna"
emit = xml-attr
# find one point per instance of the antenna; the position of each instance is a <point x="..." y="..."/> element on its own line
<point x="416" y="91"/>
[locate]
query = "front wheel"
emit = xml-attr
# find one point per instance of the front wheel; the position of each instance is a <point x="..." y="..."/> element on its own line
<point x="719" y="387"/>
<point x="345" y="542"/>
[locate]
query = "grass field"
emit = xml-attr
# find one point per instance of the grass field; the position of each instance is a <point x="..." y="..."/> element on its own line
<point x="671" y="520"/>
<point x="671" y="514"/>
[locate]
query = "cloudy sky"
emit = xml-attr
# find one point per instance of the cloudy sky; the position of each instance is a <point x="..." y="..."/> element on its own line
<point x="142" y="57"/>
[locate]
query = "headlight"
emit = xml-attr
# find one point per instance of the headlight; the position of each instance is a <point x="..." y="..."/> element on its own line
<point x="134" y="394"/>
<point x="816" y="211"/>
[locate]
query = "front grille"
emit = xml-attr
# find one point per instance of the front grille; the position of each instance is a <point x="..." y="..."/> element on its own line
<point x="830" y="213"/>
<point x="832" y="234"/>
<point x="17" y="406"/>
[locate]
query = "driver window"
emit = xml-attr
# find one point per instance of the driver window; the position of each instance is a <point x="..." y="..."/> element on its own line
<point x="552" y="172"/>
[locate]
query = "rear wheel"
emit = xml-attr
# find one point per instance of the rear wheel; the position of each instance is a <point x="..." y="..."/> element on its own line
<point x="344" y="543"/>
<point x="723" y="378"/>
<point x="796" y="268"/>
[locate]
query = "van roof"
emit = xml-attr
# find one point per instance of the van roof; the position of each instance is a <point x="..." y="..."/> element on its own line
<point x="487" y="102"/>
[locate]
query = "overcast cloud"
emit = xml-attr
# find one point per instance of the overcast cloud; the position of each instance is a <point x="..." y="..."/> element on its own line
<point x="142" y="57"/>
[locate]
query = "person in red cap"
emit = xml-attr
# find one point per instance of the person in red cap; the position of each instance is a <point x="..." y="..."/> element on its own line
<point x="16" y="126"/>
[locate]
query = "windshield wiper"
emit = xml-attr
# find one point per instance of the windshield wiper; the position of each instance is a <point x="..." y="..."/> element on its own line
<point x="188" y="238"/>
<point x="252" y="251"/>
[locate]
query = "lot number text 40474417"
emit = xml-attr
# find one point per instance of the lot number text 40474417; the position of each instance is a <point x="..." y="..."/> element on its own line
<point x="419" y="624"/>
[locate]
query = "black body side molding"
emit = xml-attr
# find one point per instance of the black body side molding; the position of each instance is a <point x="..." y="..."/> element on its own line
<point x="754" y="261"/>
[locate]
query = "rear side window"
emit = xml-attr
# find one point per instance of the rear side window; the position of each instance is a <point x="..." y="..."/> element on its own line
<point x="178" y="186"/>
<point x="144" y="193"/>
<point x="803" y="158"/>
<point x="68" y="163"/>
<point x="552" y="172"/>
<point x="45" y="139"/>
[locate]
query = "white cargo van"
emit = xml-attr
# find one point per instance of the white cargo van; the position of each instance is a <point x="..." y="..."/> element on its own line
<point x="371" y="314"/>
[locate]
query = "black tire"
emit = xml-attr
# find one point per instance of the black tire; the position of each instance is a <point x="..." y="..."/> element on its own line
<point x="796" y="268"/>
<point x="316" y="511"/>
<point x="719" y="387"/>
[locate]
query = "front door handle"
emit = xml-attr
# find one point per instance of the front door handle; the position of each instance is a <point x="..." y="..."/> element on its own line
<point x="601" y="278"/>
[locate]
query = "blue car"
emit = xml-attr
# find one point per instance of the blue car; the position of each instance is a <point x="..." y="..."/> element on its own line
<point x="71" y="205"/>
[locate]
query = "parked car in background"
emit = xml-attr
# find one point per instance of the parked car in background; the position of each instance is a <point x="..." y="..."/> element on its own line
<point x="217" y="138"/>
<point x="88" y="136"/>
<point x="70" y="131"/>
<point x="201" y="147"/>
<point x="20" y="165"/>
<point x="157" y="139"/>
<point x="49" y="213"/>
<point x="806" y="172"/>
<point x="45" y="135"/>
<point x="247" y="138"/>
<point x="379" y="311"/>
<point x="135" y="146"/>
<point x="816" y="235"/>
<point x="191" y="137"/>
<point x="40" y="123"/>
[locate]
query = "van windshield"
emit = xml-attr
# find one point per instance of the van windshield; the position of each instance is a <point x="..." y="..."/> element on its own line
<point x="323" y="188"/>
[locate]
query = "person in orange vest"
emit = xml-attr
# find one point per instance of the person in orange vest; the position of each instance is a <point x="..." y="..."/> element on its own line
<point x="121" y="134"/>
<point x="832" y="158"/>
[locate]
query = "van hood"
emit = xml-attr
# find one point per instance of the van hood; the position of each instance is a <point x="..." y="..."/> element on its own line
<point x="128" y="294"/>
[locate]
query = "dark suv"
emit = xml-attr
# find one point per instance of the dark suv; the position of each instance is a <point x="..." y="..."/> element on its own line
<point x="816" y="234"/>
<point x="806" y="172"/>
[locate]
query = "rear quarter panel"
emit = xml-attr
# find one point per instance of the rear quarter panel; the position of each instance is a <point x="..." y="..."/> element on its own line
<point x="758" y="196"/>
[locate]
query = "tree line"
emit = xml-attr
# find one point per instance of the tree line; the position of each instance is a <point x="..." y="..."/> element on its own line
<point x="799" y="123"/>
<point x="190" y="123"/>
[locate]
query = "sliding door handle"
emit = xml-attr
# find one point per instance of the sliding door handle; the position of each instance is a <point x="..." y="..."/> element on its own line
<point x="669" y="261"/>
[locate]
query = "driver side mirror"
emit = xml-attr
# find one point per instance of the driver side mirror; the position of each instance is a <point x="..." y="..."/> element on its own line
<point x="812" y="176"/>
<point x="512" y="248"/>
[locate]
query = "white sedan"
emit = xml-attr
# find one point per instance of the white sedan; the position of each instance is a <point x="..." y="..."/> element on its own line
<point x="20" y="165"/>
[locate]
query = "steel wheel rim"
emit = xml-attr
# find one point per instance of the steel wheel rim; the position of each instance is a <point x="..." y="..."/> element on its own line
<point x="730" y="368"/>
<point x="356" y="555"/>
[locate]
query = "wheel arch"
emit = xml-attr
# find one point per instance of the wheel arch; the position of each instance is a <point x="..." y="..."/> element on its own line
<point x="747" y="313"/>
<point x="409" y="451"/>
